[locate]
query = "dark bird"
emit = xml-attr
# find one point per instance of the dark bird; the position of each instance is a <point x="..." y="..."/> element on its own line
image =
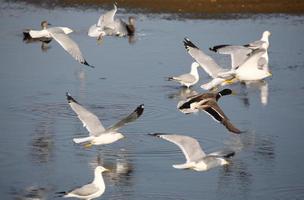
<point x="208" y="103"/>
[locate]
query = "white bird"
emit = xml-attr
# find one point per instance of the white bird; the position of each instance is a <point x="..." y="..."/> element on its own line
<point x="252" y="69"/>
<point x="89" y="191"/>
<point x="60" y="35"/>
<point x="98" y="135"/>
<point x="188" y="79"/>
<point x="240" y="53"/>
<point x="196" y="158"/>
<point x="107" y="25"/>
<point x="208" y="64"/>
<point x="247" y="65"/>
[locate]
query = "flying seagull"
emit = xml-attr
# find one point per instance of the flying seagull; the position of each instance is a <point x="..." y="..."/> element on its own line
<point x="196" y="158"/>
<point x="99" y="135"/>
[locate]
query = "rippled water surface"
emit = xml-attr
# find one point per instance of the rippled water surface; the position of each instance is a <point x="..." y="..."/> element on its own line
<point x="39" y="158"/>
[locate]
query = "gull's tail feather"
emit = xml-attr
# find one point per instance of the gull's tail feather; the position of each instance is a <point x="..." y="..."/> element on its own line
<point x="61" y="194"/>
<point x="154" y="134"/>
<point x="188" y="43"/>
<point x="87" y="64"/>
<point x="183" y="166"/>
<point x="170" y="78"/>
<point x="82" y="140"/>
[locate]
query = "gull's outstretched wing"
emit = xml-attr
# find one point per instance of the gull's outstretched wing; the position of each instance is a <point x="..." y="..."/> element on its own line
<point x="68" y="44"/>
<point x="189" y="146"/>
<point x="107" y="19"/>
<point x="238" y="54"/>
<point x="254" y="59"/>
<point x="89" y="120"/>
<point x="130" y="118"/>
<point x="203" y="60"/>
<point x="85" y="190"/>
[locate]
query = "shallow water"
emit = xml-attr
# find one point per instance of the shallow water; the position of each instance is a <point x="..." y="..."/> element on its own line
<point x="39" y="158"/>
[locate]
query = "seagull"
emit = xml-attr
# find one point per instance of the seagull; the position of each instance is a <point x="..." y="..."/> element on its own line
<point x="208" y="64"/>
<point x="238" y="53"/>
<point x="208" y="103"/>
<point x="89" y="191"/>
<point x="107" y="25"/>
<point x="196" y="158"/>
<point x="60" y="34"/>
<point x="247" y="65"/>
<point x="98" y="135"/>
<point x="252" y="69"/>
<point x="188" y="79"/>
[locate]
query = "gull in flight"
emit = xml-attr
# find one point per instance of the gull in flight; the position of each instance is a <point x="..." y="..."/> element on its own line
<point x="188" y="79"/>
<point x="196" y="158"/>
<point x="247" y="64"/>
<point x="238" y="53"/>
<point x="60" y="34"/>
<point x="107" y="25"/>
<point x="208" y="103"/>
<point x="99" y="135"/>
<point x="89" y="191"/>
<point x="208" y="64"/>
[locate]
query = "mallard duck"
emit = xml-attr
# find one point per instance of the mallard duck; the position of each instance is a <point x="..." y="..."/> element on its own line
<point x="208" y="103"/>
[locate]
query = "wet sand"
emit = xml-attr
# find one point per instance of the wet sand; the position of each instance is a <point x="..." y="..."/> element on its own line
<point x="195" y="7"/>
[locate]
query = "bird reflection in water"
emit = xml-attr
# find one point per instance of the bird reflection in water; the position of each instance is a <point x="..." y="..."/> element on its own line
<point x="30" y="193"/>
<point x="183" y="93"/>
<point x="42" y="144"/>
<point x="120" y="168"/>
<point x="261" y="85"/>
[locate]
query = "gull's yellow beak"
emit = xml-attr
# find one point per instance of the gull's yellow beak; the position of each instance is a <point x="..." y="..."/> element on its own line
<point x="230" y="81"/>
<point x="270" y="74"/>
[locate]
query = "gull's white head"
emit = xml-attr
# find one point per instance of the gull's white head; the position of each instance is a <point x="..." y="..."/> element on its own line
<point x="267" y="33"/>
<point x="100" y="169"/>
<point x="265" y="36"/>
<point x="195" y="64"/>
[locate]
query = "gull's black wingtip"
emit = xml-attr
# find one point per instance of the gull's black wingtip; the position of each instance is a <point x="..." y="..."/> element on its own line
<point x="215" y="48"/>
<point x="70" y="98"/>
<point x="188" y="43"/>
<point x="60" y="194"/>
<point x="87" y="64"/>
<point x="140" y="109"/>
<point x="154" y="134"/>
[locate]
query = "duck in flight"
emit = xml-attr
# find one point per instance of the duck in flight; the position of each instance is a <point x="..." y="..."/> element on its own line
<point x="208" y="103"/>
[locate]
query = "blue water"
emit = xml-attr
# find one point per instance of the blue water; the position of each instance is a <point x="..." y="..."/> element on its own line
<point x="37" y="126"/>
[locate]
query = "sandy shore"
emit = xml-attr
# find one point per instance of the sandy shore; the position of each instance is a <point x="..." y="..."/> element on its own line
<point x="191" y="6"/>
